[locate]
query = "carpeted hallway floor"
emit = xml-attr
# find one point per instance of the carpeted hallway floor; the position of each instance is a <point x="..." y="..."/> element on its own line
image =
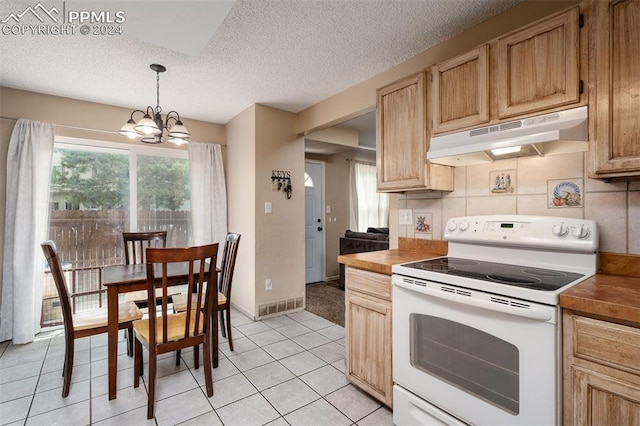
<point x="326" y="299"/>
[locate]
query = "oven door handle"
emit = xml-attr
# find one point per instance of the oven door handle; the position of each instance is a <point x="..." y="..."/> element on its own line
<point x="532" y="312"/>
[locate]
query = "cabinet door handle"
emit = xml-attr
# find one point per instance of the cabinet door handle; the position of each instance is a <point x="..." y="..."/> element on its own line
<point x="319" y="228"/>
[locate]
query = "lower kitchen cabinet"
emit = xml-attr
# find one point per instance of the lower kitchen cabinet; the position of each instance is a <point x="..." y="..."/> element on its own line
<point x="601" y="372"/>
<point x="368" y="333"/>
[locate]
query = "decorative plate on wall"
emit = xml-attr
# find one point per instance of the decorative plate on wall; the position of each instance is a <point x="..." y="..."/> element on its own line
<point x="565" y="193"/>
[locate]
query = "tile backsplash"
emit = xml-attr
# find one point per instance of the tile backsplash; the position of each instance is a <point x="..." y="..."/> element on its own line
<point x="548" y="186"/>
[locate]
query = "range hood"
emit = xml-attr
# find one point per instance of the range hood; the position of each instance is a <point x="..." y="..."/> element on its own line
<point x="550" y="134"/>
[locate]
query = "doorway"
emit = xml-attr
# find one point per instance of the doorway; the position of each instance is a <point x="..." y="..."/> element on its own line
<point x="314" y="221"/>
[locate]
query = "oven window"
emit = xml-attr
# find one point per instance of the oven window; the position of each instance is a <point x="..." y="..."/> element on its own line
<point x="472" y="360"/>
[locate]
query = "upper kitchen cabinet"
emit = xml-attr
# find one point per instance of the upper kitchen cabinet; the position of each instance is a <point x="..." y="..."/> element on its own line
<point x="460" y="91"/>
<point x="614" y="99"/>
<point x="530" y="71"/>
<point x="402" y="142"/>
<point x="537" y="67"/>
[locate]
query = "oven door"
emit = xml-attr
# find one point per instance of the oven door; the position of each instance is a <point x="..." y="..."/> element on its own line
<point x="481" y="358"/>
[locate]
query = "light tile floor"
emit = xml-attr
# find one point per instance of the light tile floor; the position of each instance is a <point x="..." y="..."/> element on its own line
<point x="287" y="370"/>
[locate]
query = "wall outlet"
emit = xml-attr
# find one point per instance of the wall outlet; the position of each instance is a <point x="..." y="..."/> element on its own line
<point x="268" y="284"/>
<point x="405" y="216"/>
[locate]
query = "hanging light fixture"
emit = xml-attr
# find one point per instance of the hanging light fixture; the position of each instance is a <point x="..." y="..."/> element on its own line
<point x="151" y="127"/>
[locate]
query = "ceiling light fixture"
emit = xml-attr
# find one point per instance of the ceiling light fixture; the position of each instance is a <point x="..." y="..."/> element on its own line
<point x="151" y="127"/>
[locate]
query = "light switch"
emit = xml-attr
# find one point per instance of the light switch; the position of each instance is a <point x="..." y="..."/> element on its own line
<point x="328" y="208"/>
<point x="405" y="216"/>
<point x="267" y="207"/>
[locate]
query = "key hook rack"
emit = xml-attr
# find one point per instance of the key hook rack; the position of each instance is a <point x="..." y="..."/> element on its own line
<point x="281" y="181"/>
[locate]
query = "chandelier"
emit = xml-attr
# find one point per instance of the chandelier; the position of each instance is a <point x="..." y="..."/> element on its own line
<point x="151" y="127"/>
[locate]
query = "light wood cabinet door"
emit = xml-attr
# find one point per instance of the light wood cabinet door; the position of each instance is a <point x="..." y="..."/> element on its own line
<point x="538" y="66"/>
<point x="614" y="98"/>
<point x="601" y="400"/>
<point x="601" y="372"/>
<point x="368" y="349"/>
<point x="460" y="91"/>
<point x="401" y="139"/>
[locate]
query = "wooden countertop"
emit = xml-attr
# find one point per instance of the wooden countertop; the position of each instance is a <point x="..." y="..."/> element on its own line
<point x="381" y="261"/>
<point x="613" y="297"/>
<point x="613" y="293"/>
<point x="409" y="250"/>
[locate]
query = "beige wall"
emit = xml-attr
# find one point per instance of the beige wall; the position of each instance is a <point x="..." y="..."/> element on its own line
<point x="259" y="140"/>
<point x="89" y="120"/>
<point x="241" y="202"/>
<point x="279" y="235"/>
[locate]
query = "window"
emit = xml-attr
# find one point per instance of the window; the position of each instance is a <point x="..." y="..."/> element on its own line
<point x="97" y="183"/>
<point x="368" y="207"/>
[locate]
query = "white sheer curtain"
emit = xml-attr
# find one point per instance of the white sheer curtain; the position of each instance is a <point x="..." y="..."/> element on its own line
<point x="368" y="207"/>
<point x="28" y="176"/>
<point x="208" y="194"/>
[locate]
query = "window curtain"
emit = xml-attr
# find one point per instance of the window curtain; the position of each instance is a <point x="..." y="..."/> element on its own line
<point x="26" y="218"/>
<point x="368" y="207"/>
<point x="208" y="195"/>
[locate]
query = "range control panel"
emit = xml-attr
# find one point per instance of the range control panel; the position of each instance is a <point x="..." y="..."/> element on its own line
<point x="524" y="230"/>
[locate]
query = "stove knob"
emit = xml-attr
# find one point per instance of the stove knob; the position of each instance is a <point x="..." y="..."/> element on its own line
<point x="581" y="232"/>
<point x="464" y="226"/>
<point x="560" y="230"/>
<point x="452" y="226"/>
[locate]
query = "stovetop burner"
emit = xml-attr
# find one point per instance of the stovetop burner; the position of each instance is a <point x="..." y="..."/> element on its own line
<point x="502" y="273"/>
<point x="513" y="279"/>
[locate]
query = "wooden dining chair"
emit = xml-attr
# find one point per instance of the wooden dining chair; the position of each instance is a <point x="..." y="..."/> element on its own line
<point x="168" y="331"/>
<point x="83" y="324"/>
<point x="227" y="266"/>
<point x="135" y="245"/>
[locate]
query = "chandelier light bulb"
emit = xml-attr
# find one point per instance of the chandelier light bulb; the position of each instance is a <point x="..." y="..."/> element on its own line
<point x="177" y="141"/>
<point x="179" y="131"/>
<point x="129" y="130"/>
<point x="148" y="127"/>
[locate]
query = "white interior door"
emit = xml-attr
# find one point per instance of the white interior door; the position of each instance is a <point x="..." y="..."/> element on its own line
<point x="314" y="221"/>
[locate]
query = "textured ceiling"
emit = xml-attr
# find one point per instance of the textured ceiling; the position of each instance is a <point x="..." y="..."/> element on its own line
<point x="223" y="56"/>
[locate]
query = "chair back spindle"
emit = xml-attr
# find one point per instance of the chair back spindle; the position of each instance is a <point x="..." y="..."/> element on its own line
<point x="136" y="243"/>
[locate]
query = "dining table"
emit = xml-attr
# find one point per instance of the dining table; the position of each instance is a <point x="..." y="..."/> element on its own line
<point x="120" y="279"/>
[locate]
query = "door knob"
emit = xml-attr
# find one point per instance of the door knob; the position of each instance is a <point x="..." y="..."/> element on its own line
<point x="319" y="228"/>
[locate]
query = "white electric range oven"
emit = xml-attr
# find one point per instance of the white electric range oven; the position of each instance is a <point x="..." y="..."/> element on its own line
<point x="477" y="333"/>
